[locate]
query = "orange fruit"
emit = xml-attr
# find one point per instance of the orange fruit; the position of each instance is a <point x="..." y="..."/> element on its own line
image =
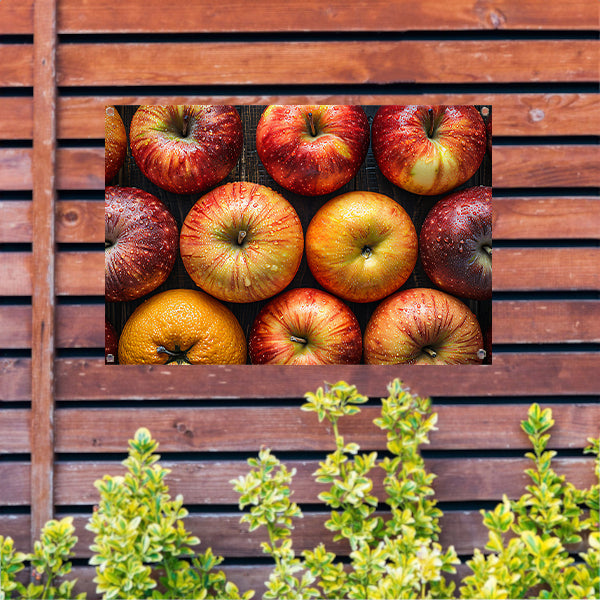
<point x="115" y="143"/>
<point x="182" y="326"/>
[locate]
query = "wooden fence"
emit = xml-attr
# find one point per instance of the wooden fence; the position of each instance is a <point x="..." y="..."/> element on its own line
<point x="65" y="416"/>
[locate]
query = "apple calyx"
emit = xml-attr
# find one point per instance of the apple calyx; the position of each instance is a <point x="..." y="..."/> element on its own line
<point x="429" y="351"/>
<point x="366" y="252"/>
<point x="178" y="357"/>
<point x="298" y="340"/>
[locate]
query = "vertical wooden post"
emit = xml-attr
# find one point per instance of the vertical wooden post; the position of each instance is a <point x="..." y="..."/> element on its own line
<point x="43" y="295"/>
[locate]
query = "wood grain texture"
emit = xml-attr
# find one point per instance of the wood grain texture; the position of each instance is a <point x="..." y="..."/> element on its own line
<point x="511" y="373"/>
<point x="108" y="16"/>
<point x="541" y="321"/>
<point x="286" y="428"/>
<point x="566" y="166"/>
<point x="16" y="66"/>
<point x="369" y="62"/>
<point x="204" y="483"/>
<point x="546" y="218"/>
<point x="15" y="433"/>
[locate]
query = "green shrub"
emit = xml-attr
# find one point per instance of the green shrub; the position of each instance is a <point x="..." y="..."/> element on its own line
<point x="400" y="557"/>
<point x="142" y="549"/>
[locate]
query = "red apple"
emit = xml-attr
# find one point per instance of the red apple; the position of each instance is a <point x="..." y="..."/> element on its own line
<point x="111" y="343"/>
<point x="312" y="149"/>
<point x="242" y="242"/>
<point x="305" y="326"/>
<point x="186" y="148"/>
<point x="428" y="150"/>
<point x="115" y="143"/>
<point x="456" y="243"/>
<point x="361" y="246"/>
<point x="140" y="243"/>
<point x="422" y="326"/>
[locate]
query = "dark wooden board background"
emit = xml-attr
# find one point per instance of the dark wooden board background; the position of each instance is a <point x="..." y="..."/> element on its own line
<point x="65" y="417"/>
<point x="250" y="168"/>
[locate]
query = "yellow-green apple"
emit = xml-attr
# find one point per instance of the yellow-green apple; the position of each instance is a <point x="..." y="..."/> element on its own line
<point x="428" y="150"/>
<point x="312" y="149"/>
<point x="422" y="326"/>
<point x="111" y="343"/>
<point x="456" y="243"/>
<point x="305" y="326"/>
<point x="242" y="242"/>
<point x="140" y="243"/>
<point x="186" y="149"/>
<point x="361" y="246"/>
<point x="115" y="143"/>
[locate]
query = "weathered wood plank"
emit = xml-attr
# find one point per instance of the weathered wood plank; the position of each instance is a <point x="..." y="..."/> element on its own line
<point x="16" y="66"/>
<point x="546" y="218"/>
<point x="518" y="374"/>
<point x="528" y="374"/>
<point x="540" y="321"/>
<point x="370" y="62"/>
<point x="108" y="16"/>
<point x="458" y="479"/>
<point x="75" y="220"/>
<point x="15" y="166"/>
<point x="336" y="15"/>
<point x="564" y="166"/>
<point x="15" y="432"/>
<point x="291" y="429"/>
<point x="540" y="269"/>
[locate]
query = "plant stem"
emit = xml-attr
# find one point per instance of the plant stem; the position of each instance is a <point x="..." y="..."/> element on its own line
<point x="488" y="249"/>
<point x="430" y="351"/>
<point x="431" y="123"/>
<point x="299" y="340"/>
<point x="311" y="122"/>
<point x="241" y="235"/>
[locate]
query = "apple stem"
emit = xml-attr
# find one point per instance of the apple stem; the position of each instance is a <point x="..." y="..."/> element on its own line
<point x="430" y="351"/>
<point x="366" y="252"/>
<point x="299" y="340"/>
<point x="311" y="122"/>
<point x="430" y="131"/>
<point x="488" y="249"/>
<point x="241" y="235"/>
<point x="185" y="125"/>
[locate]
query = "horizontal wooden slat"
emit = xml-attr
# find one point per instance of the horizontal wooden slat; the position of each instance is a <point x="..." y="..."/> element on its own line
<point x="77" y="274"/>
<point x="547" y="114"/>
<point x="541" y="321"/>
<point x="546" y="218"/>
<point x="290" y="429"/>
<point x="517" y="374"/>
<point x="525" y="269"/>
<point x="335" y="15"/>
<point x="208" y="482"/>
<point x="16" y="66"/>
<point x="76" y="221"/>
<point x="15" y="432"/>
<point x="15" y="166"/>
<point x="109" y="16"/>
<point x="374" y="62"/>
<point x="561" y="166"/>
